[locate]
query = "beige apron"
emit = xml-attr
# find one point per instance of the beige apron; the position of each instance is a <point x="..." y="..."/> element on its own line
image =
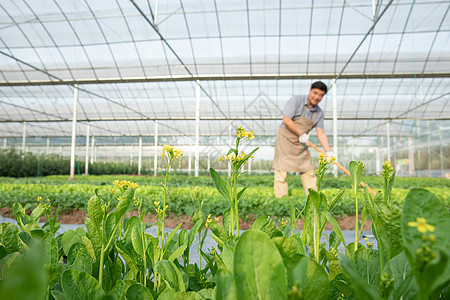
<point x="290" y="154"/>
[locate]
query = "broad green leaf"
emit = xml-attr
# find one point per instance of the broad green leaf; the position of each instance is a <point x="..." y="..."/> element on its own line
<point x="226" y="221"/>
<point x="194" y="230"/>
<point x="139" y="292"/>
<point x="424" y="204"/>
<point x="9" y="237"/>
<point x="94" y="236"/>
<point x="128" y="258"/>
<point x="3" y="252"/>
<point x="51" y="249"/>
<point x="177" y="253"/>
<point x="287" y="246"/>
<point x="241" y="193"/>
<point x="139" y="242"/>
<point x="89" y="247"/>
<point x="110" y="229"/>
<point x="80" y="285"/>
<point x="259" y="271"/>
<point x="389" y="187"/>
<point x="227" y="255"/>
<point x="356" y="169"/>
<point x="7" y="262"/>
<point x="367" y="264"/>
<point x="26" y="238"/>
<point x="243" y="160"/>
<point x="172" y="234"/>
<point x="220" y="185"/>
<point x="59" y="295"/>
<point x="119" y="291"/>
<point x="68" y="239"/>
<point x="170" y="274"/>
<point x="218" y="231"/>
<point x="360" y="287"/>
<point x="400" y="269"/>
<point x="79" y="258"/>
<point x="25" y="278"/>
<point x="309" y="279"/>
<point x="264" y="224"/>
<point x="37" y="213"/>
<point x="183" y="237"/>
<point x="129" y="225"/>
<point x="123" y="204"/>
<point x="95" y="211"/>
<point x="206" y="293"/>
<point x="225" y="286"/>
<point x="336" y="197"/>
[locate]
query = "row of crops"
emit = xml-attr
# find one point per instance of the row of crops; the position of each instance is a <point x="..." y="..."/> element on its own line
<point x="113" y="257"/>
<point x="258" y="199"/>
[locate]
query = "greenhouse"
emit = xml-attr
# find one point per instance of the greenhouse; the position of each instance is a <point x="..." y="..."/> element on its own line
<point x="134" y="112"/>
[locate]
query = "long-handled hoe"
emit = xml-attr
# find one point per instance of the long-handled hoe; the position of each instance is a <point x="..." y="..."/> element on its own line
<point x="342" y="168"/>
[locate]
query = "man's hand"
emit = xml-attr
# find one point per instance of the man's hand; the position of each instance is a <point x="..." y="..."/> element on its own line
<point x="304" y="138"/>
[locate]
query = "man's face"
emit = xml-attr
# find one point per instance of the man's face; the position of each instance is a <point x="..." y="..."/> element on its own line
<point x="315" y="96"/>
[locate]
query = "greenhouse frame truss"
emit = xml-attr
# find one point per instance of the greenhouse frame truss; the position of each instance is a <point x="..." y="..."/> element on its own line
<point x="118" y="79"/>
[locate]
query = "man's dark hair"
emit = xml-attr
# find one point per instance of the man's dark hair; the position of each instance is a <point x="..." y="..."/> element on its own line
<point x="319" y="85"/>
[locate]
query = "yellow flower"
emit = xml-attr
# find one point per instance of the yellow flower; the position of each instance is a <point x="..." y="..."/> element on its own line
<point x="421" y="225"/>
<point x="216" y="219"/>
<point x="39" y="199"/>
<point x="432" y="238"/>
<point x="156" y="203"/>
<point x="111" y="191"/>
<point x="132" y="184"/>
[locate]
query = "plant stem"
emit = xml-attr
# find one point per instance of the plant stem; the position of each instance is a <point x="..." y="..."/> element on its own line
<point x="100" y="273"/>
<point x="356" y="225"/>
<point x="199" y="251"/>
<point x="380" y="250"/>
<point x="316" y="232"/>
<point x="236" y="202"/>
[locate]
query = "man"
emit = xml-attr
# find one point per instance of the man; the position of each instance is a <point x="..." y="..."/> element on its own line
<point x="300" y="115"/>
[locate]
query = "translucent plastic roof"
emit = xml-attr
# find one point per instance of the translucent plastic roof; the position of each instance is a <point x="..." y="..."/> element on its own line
<point x="135" y="62"/>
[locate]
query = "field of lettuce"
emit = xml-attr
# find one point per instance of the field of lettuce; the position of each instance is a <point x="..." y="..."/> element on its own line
<point x="113" y="257"/>
<point x="258" y="199"/>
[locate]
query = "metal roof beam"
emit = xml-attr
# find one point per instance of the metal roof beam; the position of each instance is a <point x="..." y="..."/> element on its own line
<point x="236" y="77"/>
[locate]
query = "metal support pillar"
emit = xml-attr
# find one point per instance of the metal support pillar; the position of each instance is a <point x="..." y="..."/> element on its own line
<point x="86" y="164"/>
<point x="209" y="162"/>
<point x="249" y="168"/>
<point x="411" y="156"/>
<point x="131" y="155"/>
<point x="190" y="157"/>
<point x="335" y="131"/>
<point x="74" y="133"/>
<point x="230" y="129"/>
<point x="428" y="148"/>
<point x="155" y="154"/>
<point x="441" y="155"/>
<point x="378" y="160"/>
<point x="92" y="149"/>
<point x="197" y="127"/>
<point x="5" y="141"/>
<point x="24" y="137"/>
<point x="140" y="156"/>
<point x="388" y="139"/>
<point x="47" y="147"/>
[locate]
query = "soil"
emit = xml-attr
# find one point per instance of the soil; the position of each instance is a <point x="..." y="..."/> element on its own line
<point x="78" y="216"/>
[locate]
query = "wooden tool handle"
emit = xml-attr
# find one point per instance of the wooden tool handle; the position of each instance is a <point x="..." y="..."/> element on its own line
<point x="342" y="168"/>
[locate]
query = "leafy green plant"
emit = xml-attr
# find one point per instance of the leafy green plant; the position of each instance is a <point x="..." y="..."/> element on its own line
<point x="316" y="208"/>
<point x="356" y="169"/>
<point x="228" y="187"/>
